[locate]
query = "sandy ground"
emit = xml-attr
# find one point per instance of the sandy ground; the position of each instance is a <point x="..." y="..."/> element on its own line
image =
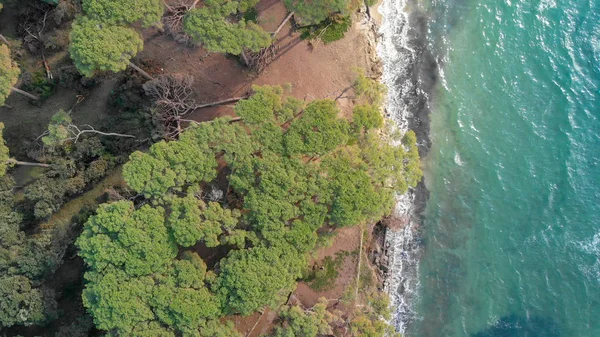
<point x="314" y="70"/>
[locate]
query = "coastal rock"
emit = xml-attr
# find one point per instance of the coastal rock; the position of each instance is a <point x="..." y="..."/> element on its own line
<point x="396" y="222"/>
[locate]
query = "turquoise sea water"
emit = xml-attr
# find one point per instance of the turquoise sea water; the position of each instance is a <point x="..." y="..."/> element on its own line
<point x="512" y="227"/>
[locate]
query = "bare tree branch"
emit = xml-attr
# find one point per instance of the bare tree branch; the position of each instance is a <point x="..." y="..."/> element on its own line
<point x="78" y="132"/>
<point x="171" y="94"/>
<point x="173" y="22"/>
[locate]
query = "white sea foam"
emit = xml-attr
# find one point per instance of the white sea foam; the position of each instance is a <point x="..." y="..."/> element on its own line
<point x="403" y="246"/>
<point x="591" y="247"/>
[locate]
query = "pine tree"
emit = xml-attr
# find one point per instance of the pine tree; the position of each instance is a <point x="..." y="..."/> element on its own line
<point x="97" y="46"/>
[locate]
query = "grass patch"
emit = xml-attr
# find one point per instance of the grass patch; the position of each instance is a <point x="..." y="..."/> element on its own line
<point x="323" y="275"/>
<point x="325" y="240"/>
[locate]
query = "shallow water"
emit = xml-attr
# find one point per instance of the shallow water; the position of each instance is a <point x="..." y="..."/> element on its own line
<point x="511" y="231"/>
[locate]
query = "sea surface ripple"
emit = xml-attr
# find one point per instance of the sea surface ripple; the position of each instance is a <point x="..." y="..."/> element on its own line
<point x="511" y="231"/>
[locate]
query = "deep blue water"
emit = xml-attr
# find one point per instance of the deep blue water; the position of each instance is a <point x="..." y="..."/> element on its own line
<point x="512" y="228"/>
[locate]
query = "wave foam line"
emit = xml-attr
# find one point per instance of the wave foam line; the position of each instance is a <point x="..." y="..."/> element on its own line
<point x="403" y="246"/>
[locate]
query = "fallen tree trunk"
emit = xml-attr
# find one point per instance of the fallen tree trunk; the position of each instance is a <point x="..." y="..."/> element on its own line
<point x="245" y="58"/>
<point x="287" y="18"/>
<point x="26" y="163"/>
<point x="141" y="71"/>
<point x="225" y="101"/>
<point x="169" y="8"/>
<point x="24" y="93"/>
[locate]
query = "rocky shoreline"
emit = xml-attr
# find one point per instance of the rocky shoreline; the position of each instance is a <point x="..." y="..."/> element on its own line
<point x="394" y="250"/>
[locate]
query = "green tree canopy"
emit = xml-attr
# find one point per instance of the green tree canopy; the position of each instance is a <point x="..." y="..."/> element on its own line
<point x="134" y="278"/>
<point x="211" y="26"/>
<point x="149" y="12"/>
<point x="318" y="131"/>
<point x="4" y="153"/>
<point x="315" y="11"/>
<point x="20" y="302"/>
<point x="58" y="129"/>
<point x="134" y="240"/>
<point x="366" y="117"/>
<point x="148" y="329"/>
<point x="9" y="73"/>
<point x="170" y="165"/>
<point x="215" y="328"/>
<point x="355" y="195"/>
<point x="254" y="278"/>
<point x="191" y="220"/>
<point x="117" y="300"/>
<point x="97" y="46"/>
<point x="368" y="90"/>
<point x="276" y="199"/>
<point x="306" y="323"/>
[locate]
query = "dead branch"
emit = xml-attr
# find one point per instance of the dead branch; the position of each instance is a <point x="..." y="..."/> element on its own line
<point x="322" y="32"/>
<point x="77" y="132"/>
<point x="259" y="61"/>
<point x="4" y="39"/>
<point x="43" y="24"/>
<point x="287" y="18"/>
<point x="171" y="95"/>
<point x="173" y="22"/>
